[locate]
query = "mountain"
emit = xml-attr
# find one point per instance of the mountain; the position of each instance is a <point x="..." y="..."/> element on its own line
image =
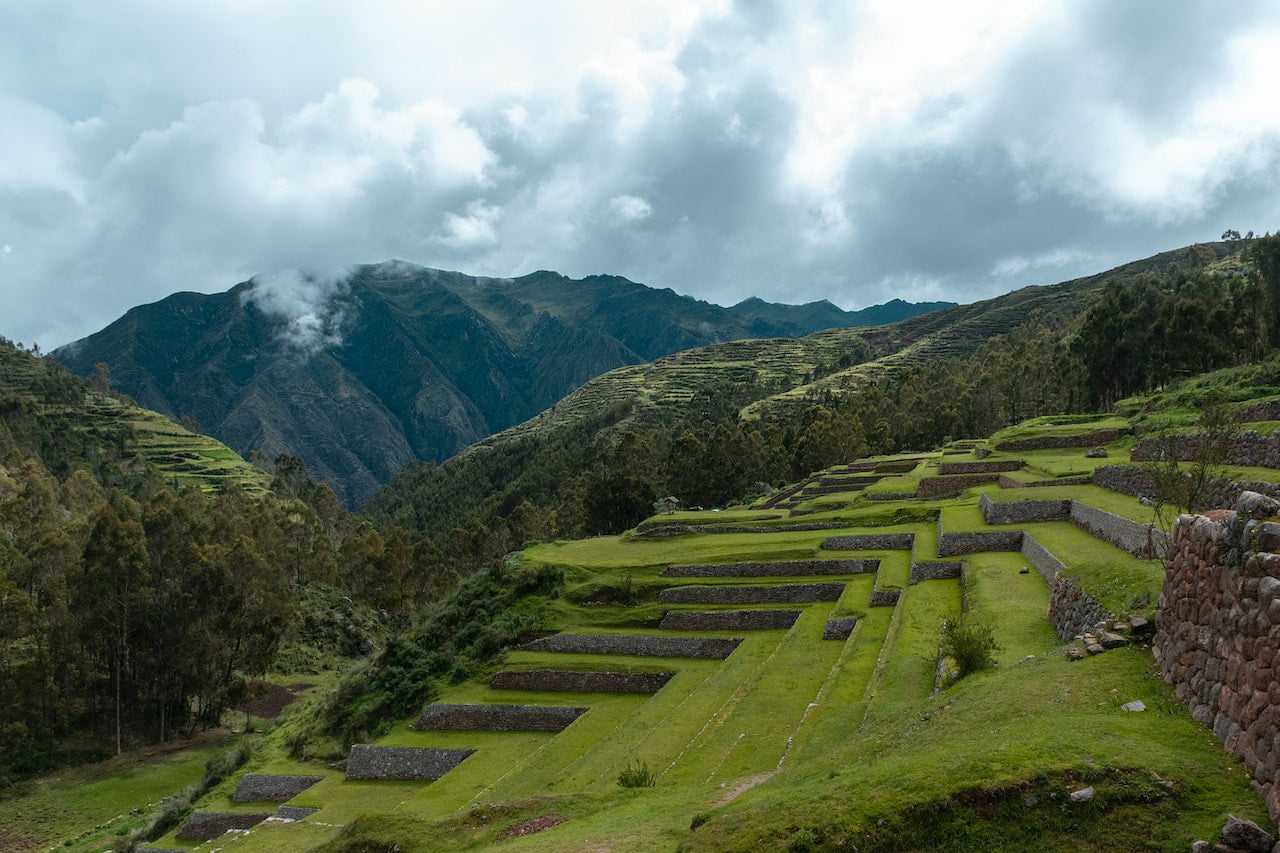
<point x="361" y="375"/>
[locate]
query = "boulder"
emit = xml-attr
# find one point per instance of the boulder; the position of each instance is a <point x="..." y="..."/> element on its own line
<point x="1257" y="505"/>
<point x="1246" y="835"/>
<point x="1135" y="705"/>
<point x="1084" y="795"/>
<point x="1112" y="640"/>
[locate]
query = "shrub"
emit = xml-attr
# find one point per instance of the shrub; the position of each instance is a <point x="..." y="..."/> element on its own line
<point x="803" y="840"/>
<point x="972" y="645"/>
<point x="637" y="775"/>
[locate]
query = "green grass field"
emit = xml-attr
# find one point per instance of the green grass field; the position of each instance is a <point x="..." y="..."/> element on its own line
<point x="795" y="742"/>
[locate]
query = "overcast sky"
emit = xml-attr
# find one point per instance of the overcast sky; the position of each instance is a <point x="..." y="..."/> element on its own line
<point x="789" y="150"/>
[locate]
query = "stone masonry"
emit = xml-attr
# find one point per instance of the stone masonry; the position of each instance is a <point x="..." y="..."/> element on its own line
<point x="1218" y="634"/>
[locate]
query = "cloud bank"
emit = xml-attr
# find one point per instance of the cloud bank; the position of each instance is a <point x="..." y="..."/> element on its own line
<point x="785" y="150"/>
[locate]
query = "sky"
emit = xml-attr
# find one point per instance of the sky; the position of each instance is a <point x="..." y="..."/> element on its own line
<point x="791" y="150"/>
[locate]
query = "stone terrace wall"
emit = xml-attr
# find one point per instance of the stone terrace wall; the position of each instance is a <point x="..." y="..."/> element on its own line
<point x="998" y="466"/>
<point x="259" y="787"/>
<point x="1267" y="410"/>
<point x="423" y="764"/>
<point x="672" y="528"/>
<point x="1140" y="540"/>
<point x="884" y="598"/>
<point x="572" y="681"/>
<point x="1072" y="611"/>
<point x="1044" y="442"/>
<point x="839" y="629"/>
<point x="206" y="826"/>
<point x="1137" y="481"/>
<point x="1007" y="482"/>
<point x="728" y="620"/>
<point x="1249" y="448"/>
<point x="795" y="593"/>
<point x="954" y="544"/>
<point x="932" y="487"/>
<point x="782" y="568"/>
<point x="1023" y="512"/>
<point x="1042" y="558"/>
<point x="1218" y="637"/>
<point x="935" y="570"/>
<point x="870" y="542"/>
<point x="497" y="718"/>
<point x="624" y="644"/>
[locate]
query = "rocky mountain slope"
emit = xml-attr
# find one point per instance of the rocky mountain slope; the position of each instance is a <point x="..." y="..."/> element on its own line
<point x="363" y="373"/>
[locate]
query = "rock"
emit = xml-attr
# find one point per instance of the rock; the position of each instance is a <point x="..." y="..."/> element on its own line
<point x="1138" y="623"/>
<point x="1024" y="571"/>
<point x="1201" y="847"/>
<point x="1074" y="654"/>
<point x="1096" y="453"/>
<point x="1247" y="835"/>
<point x="1111" y="640"/>
<point x="1135" y="705"/>
<point x="1029" y="801"/>
<point x="1266" y="537"/>
<point x="1084" y="795"/>
<point x="1268" y="587"/>
<point x="1094" y="649"/>
<point x="1120" y="627"/>
<point x="1257" y="505"/>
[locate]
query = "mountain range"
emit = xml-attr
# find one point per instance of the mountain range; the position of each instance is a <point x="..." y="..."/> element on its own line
<point x="363" y="373"/>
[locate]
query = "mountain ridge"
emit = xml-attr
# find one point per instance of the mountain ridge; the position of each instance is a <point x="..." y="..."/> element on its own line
<point x="394" y="363"/>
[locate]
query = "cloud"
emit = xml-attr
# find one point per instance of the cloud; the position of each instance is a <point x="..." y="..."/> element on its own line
<point x="308" y="306"/>
<point x="630" y="208"/>
<point x="794" y="151"/>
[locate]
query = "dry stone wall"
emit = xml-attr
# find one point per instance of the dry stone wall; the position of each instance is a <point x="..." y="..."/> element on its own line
<point x="839" y="629"/>
<point x="259" y="787"/>
<point x="625" y="644"/>
<point x="1218" y="635"/>
<point x="999" y="466"/>
<point x="870" y="542"/>
<point x="1141" y="540"/>
<point x="1249" y="448"/>
<point x="421" y="764"/>
<point x="728" y="620"/>
<point x="973" y="542"/>
<point x="497" y="718"/>
<point x="206" y="826"/>
<point x="1095" y="438"/>
<point x="779" y="594"/>
<point x="1023" y="512"/>
<point x="932" y="487"/>
<point x="1007" y="482"/>
<point x="572" y="681"/>
<point x="884" y="598"/>
<point x="783" y="568"/>
<point x="935" y="570"/>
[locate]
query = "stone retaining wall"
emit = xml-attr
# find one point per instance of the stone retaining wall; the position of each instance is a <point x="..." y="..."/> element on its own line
<point x="839" y="629"/>
<point x="263" y="788"/>
<point x="1072" y="611"/>
<point x="796" y="593"/>
<point x="935" y="570"/>
<point x="1007" y="482"/>
<point x="870" y="542"/>
<point x="571" y="681"/>
<point x="973" y="542"/>
<point x="1023" y="512"/>
<point x="782" y="568"/>
<point x="1249" y="448"/>
<point x="856" y="481"/>
<point x="1267" y="410"/>
<point x="1218" y="637"/>
<point x="889" y="496"/>
<point x="1140" y="540"/>
<point x="1089" y="439"/>
<point x="419" y="764"/>
<point x="1137" y="481"/>
<point x="625" y="644"/>
<point x="728" y="620"/>
<point x="902" y="467"/>
<point x="884" y="598"/>
<point x="677" y="529"/>
<point x="998" y="466"/>
<point x="497" y="718"/>
<point x="932" y="487"/>
<point x="1043" y="559"/>
<point x="206" y="826"/>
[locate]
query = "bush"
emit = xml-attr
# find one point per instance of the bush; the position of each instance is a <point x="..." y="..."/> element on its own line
<point x="972" y="645"/>
<point x="803" y="840"/>
<point x="637" y="775"/>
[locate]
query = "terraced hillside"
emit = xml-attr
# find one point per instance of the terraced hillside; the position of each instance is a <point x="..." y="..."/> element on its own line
<point x="182" y="456"/>
<point x="770" y="678"/>
<point x="765" y="373"/>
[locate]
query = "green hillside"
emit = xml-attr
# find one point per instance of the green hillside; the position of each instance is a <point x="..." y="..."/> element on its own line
<point x="411" y="363"/>
<point x="788" y="741"/>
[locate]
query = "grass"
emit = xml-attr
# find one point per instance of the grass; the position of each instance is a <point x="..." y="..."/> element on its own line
<point x="793" y="740"/>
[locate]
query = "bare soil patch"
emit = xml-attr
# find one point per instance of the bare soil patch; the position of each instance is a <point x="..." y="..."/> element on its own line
<point x="530" y="826"/>
<point x="268" y="700"/>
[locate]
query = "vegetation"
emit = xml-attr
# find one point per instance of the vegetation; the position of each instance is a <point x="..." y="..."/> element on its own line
<point x="970" y="644"/>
